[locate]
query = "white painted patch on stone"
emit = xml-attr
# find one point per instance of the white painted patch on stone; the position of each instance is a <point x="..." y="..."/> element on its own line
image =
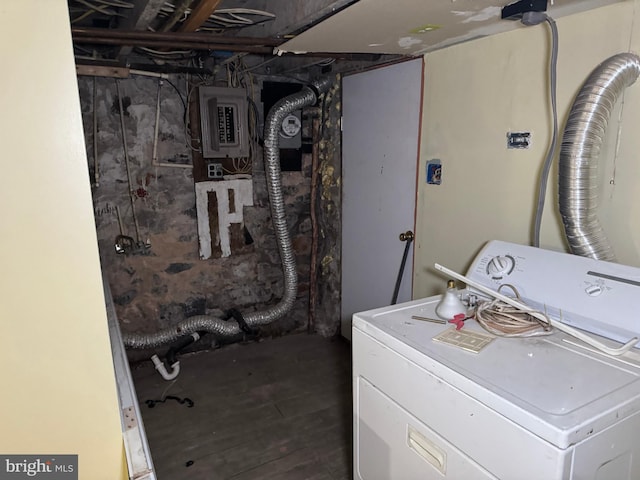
<point x="243" y="196"/>
<point x="408" y="42"/>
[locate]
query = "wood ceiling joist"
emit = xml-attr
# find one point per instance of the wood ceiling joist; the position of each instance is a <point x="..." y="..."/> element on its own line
<point x="160" y="44"/>
<point x="140" y="17"/>
<point x="86" y="32"/>
<point x="199" y="15"/>
<point x="180" y="11"/>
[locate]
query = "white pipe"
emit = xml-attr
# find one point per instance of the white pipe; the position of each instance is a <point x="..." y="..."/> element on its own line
<point x="154" y="156"/>
<point x="96" y="166"/>
<point x="162" y="370"/>
<point x="148" y="74"/>
<point x="559" y="325"/>
<point x="126" y="162"/>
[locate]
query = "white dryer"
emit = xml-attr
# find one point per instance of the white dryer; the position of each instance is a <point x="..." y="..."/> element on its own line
<point x="544" y="408"/>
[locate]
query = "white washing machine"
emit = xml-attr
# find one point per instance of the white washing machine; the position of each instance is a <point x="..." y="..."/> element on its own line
<point x="543" y="408"/>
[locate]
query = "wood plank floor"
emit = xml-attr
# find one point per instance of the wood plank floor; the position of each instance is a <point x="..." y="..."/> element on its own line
<point x="279" y="409"/>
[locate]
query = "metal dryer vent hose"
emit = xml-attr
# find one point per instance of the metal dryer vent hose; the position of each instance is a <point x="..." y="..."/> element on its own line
<point x="221" y="328"/>
<point x="578" y="167"/>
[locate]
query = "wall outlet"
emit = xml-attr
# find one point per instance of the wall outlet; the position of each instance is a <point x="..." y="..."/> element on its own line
<point x="518" y="140"/>
<point x="214" y="170"/>
<point x="434" y="172"/>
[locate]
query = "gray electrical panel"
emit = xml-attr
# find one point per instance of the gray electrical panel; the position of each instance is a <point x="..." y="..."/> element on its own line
<point x="223" y="122"/>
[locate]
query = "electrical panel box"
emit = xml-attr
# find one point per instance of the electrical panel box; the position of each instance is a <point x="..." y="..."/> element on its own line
<point x="223" y="122"/>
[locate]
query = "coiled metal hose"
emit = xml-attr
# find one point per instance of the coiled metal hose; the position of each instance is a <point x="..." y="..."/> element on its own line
<point x="220" y="328"/>
<point x="578" y="167"/>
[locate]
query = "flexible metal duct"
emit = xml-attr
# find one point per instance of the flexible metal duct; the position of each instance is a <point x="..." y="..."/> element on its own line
<point x="583" y="137"/>
<point x="221" y="328"/>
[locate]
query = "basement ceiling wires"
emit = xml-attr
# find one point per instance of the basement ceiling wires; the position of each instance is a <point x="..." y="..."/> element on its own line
<point x="224" y="18"/>
<point x="166" y="56"/>
<point x="219" y="21"/>
<point x="84" y="8"/>
<point x="236" y="18"/>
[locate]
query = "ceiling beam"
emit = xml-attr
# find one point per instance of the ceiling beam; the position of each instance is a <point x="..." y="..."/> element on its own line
<point x="102" y="71"/>
<point x="180" y="10"/>
<point x="293" y="17"/>
<point x="139" y="18"/>
<point x="86" y="32"/>
<point x="199" y="15"/>
<point x="160" y="44"/>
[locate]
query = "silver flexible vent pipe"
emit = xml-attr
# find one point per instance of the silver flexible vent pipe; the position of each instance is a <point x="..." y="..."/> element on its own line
<point x="221" y="328"/>
<point x="578" y="167"/>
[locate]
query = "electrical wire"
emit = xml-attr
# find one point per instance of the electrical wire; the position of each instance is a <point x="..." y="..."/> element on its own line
<point x="236" y="17"/>
<point x="115" y="3"/>
<point x="240" y="166"/>
<point x="612" y="180"/>
<point x="180" y="54"/>
<point x="272" y="59"/>
<point x="82" y="16"/>
<point x="224" y="18"/>
<point x="323" y="63"/>
<point x="126" y="160"/>
<point x="166" y="390"/>
<point x="102" y="7"/>
<point x="546" y="168"/>
<point x="237" y="76"/>
<point x="504" y="320"/>
<point x="184" y="104"/>
<point x="187" y="131"/>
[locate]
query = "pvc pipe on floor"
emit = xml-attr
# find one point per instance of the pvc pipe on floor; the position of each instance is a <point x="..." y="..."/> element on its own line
<point x="162" y="370"/>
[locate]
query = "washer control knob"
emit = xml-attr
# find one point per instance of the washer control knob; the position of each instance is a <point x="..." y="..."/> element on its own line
<point x="500" y="266"/>
<point x="593" y="290"/>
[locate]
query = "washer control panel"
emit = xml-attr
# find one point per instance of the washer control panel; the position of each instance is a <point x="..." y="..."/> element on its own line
<point x="589" y="294"/>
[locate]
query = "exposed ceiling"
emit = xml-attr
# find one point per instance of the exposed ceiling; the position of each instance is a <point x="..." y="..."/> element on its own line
<point x="414" y="27"/>
<point x="199" y="34"/>
<point x="282" y="35"/>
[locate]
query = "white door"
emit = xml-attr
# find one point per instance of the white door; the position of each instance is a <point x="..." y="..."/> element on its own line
<point x="380" y="137"/>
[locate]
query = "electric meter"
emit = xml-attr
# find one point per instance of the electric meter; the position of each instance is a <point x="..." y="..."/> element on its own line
<point x="291" y="126"/>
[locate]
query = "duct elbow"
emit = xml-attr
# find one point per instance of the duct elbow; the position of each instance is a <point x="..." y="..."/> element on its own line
<point x="580" y="151"/>
<point x="322" y="85"/>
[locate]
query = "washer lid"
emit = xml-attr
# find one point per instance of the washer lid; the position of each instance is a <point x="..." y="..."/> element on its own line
<point x="557" y="390"/>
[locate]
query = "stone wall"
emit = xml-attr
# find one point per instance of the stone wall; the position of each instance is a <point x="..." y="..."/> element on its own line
<point x="166" y="281"/>
<point x="327" y="308"/>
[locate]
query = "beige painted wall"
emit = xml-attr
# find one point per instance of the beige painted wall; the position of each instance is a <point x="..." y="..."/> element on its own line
<point x="58" y="385"/>
<point x="477" y="92"/>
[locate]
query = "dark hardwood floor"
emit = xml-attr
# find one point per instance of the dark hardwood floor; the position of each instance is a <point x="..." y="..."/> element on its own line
<point x="279" y="409"/>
